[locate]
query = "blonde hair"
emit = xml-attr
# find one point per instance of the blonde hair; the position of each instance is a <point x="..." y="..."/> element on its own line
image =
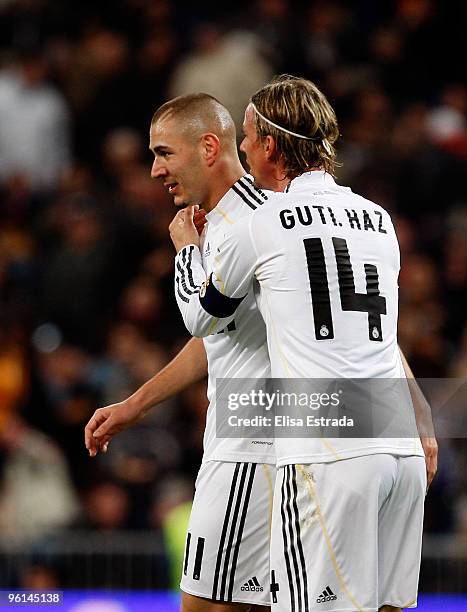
<point x="305" y="127"/>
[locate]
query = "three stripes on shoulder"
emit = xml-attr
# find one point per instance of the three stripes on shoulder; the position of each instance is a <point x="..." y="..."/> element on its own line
<point x="250" y="194"/>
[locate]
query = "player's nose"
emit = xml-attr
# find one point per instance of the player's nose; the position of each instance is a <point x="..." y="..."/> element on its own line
<point x="158" y="169"/>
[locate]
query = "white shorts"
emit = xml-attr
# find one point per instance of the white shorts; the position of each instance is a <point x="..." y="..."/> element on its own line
<point x="347" y="535"/>
<point x="228" y="540"/>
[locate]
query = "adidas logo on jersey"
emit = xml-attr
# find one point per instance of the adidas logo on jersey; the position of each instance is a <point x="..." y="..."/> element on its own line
<point x="326" y="595"/>
<point x="252" y="585"/>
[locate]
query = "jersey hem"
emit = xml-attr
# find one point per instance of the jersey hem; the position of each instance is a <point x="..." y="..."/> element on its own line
<point x="402" y="605"/>
<point x="261" y="602"/>
<point x="243" y="458"/>
<point x="394" y="605"/>
<point x="340" y="456"/>
<point x="240" y="457"/>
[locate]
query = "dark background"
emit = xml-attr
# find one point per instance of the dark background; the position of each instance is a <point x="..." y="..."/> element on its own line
<point x="87" y="312"/>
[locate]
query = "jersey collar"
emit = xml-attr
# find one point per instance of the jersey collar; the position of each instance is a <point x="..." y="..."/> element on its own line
<point x="317" y="178"/>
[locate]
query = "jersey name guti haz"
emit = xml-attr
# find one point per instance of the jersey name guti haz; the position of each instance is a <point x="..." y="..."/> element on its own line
<point x="327" y="261"/>
<point x="237" y="349"/>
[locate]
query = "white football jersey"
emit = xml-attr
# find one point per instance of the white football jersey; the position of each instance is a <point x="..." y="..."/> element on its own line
<point x="238" y="349"/>
<point x="327" y="261"/>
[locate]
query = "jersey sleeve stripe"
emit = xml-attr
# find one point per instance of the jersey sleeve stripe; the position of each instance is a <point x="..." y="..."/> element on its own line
<point x="190" y="271"/>
<point x="179" y="292"/>
<point x="187" y="255"/>
<point x="182" y="278"/>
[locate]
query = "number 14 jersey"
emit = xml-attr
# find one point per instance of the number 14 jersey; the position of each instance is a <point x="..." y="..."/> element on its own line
<point x="327" y="262"/>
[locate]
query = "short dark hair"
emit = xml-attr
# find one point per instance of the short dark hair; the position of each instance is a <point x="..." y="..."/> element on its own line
<point x="189" y="104"/>
<point x="199" y="110"/>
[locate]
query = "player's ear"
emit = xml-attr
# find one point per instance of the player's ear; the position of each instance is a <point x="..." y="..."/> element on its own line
<point x="210" y="146"/>
<point x="270" y="148"/>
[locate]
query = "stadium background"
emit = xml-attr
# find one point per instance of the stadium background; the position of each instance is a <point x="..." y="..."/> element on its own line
<point x="86" y="306"/>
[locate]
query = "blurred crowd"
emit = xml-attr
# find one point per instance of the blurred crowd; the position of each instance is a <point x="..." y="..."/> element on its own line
<point x="87" y="312"/>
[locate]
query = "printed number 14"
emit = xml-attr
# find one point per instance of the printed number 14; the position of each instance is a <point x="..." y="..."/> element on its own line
<point x="370" y="302"/>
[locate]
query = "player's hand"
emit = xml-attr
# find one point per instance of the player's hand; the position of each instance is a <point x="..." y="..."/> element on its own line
<point x="106" y="422"/>
<point x="182" y="229"/>
<point x="430" y="448"/>
<point x="199" y="219"/>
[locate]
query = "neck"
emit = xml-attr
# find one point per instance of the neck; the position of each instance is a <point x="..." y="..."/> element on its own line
<point x="294" y="176"/>
<point x="224" y="176"/>
<point x="277" y="179"/>
<point x="279" y="184"/>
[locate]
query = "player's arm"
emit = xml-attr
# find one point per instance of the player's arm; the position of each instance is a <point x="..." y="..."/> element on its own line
<point x="188" y="367"/>
<point x="424" y="422"/>
<point x="208" y="302"/>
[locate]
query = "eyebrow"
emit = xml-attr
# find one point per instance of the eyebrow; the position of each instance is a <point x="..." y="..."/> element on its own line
<point x="159" y="149"/>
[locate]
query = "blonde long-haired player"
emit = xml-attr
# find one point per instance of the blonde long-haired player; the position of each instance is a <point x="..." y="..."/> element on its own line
<point x="348" y="512"/>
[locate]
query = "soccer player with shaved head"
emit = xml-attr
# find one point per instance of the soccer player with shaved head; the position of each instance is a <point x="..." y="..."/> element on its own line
<point x="226" y="561"/>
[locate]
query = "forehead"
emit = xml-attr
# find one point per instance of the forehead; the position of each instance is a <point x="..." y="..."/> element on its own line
<point x="166" y="133"/>
<point x="248" y="120"/>
<point x="249" y="115"/>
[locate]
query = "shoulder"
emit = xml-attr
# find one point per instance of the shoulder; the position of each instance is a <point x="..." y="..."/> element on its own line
<point x="259" y="224"/>
<point x="364" y="202"/>
<point x="250" y="197"/>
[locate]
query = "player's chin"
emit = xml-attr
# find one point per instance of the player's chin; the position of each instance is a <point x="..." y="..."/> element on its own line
<point x="180" y="202"/>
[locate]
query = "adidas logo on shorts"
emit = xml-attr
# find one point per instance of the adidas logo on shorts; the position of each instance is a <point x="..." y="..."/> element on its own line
<point x="252" y="585"/>
<point x="326" y="595"/>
